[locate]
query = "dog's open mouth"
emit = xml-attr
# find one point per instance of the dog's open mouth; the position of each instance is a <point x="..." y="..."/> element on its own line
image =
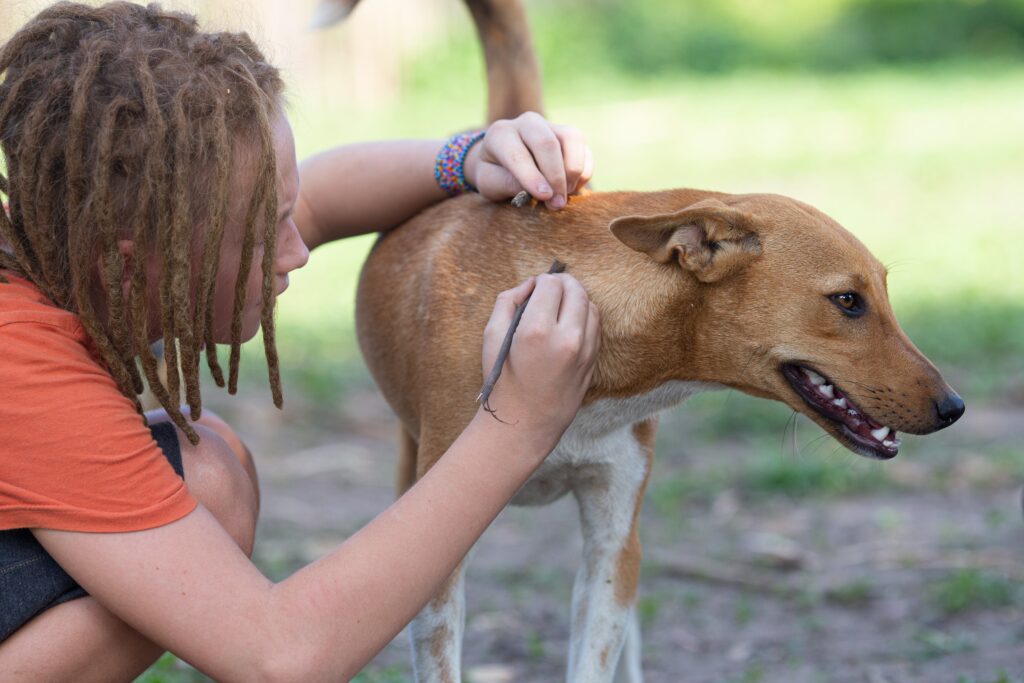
<point x="855" y="429"/>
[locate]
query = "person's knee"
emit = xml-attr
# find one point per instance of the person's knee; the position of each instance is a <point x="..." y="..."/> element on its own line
<point x="220" y="473"/>
<point x="238" y="448"/>
<point x="84" y="642"/>
<point x="221" y="483"/>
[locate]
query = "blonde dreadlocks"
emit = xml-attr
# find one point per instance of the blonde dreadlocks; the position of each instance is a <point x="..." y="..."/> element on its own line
<point x="120" y="122"/>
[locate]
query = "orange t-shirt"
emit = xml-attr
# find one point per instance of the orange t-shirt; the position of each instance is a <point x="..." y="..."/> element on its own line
<point x="74" y="454"/>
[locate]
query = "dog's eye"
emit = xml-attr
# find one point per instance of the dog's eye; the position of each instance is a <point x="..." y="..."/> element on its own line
<point x="849" y="303"/>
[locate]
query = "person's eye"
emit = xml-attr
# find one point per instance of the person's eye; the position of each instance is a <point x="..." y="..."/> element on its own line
<point x="850" y="303"/>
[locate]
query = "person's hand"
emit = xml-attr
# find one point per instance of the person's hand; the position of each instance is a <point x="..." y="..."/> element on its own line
<point x="552" y="359"/>
<point x="528" y="153"/>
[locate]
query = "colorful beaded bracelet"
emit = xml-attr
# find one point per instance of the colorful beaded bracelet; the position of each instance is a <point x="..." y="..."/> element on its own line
<point x="448" y="166"/>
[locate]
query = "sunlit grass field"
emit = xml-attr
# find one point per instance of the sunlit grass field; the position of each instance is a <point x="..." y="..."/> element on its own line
<point x="925" y="167"/>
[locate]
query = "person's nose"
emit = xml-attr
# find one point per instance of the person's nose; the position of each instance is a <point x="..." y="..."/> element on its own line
<point x="292" y="252"/>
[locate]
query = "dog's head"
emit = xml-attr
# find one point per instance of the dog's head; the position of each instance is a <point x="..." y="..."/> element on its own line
<point x="794" y="308"/>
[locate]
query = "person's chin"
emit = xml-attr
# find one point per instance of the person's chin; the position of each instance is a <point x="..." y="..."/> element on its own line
<point x="249" y="330"/>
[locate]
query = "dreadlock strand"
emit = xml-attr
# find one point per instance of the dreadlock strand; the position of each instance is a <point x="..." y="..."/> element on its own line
<point x="248" y="246"/>
<point x="7" y="262"/>
<point x="165" y="231"/>
<point x="140" y="316"/>
<point x="37" y="31"/>
<point x="76" y="138"/>
<point x="270" y="240"/>
<point x="20" y="241"/>
<point x="29" y="81"/>
<point x="265" y="191"/>
<point x="212" y="361"/>
<point x="113" y="262"/>
<point x="17" y="241"/>
<point x="154" y="201"/>
<point x="215" y="235"/>
<point x="181" y="255"/>
<point x="39" y="244"/>
<point x="79" y="237"/>
<point x="54" y="260"/>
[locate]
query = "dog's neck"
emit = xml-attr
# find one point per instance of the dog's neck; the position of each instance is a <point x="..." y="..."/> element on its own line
<point x="651" y="324"/>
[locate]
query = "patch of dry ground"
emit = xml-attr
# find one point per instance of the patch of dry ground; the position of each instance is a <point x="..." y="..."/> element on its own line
<point x="916" y="579"/>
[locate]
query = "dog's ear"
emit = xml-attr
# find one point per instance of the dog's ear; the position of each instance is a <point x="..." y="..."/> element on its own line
<point x="710" y="239"/>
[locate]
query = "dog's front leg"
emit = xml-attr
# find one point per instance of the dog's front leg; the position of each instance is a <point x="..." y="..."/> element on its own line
<point x="603" y="613"/>
<point x="436" y="634"/>
<point x="630" y="669"/>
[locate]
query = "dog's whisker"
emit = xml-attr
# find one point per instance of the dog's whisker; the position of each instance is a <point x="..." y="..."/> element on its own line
<point x="790" y="423"/>
<point x="862" y="385"/>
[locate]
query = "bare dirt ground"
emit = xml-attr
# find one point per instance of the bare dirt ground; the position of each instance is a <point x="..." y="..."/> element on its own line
<point x="912" y="573"/>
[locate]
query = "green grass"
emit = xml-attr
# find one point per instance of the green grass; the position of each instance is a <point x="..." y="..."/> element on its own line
<point x="389" y="674"/>
<point x="766" y="473"/>
<point x="169" y="669"/>
<point x="932" y="644"/>
<point x="1000" y="677"/>
<point x="970" y="589"/>
<point x="857" y="593"/>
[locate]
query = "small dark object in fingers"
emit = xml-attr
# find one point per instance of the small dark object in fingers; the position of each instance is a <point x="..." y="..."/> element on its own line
<point x="521" y="199"/>
<point x="484" y="398"/>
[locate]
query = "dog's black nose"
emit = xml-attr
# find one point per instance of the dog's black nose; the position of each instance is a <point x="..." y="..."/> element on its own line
<point x="950" y="408"/>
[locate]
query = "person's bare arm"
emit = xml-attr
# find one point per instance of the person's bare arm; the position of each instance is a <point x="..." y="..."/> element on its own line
<point x="374" y="186"/>
<point x="187" y="586"/>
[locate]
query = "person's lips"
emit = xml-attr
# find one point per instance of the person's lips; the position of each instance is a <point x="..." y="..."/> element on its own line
<point x="282" y="284"/>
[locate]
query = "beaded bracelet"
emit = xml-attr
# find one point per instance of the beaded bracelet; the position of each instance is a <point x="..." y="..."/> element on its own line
<point x="449" y="164"/>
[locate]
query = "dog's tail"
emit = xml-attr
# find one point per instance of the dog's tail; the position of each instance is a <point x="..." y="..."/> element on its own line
<point x="513" y="75"/>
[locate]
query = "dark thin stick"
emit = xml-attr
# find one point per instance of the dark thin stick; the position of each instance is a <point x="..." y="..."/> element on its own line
<point x="485" y="394"/>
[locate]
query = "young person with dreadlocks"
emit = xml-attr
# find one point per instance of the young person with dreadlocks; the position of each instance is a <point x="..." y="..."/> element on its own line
<point x="153" y="194"/>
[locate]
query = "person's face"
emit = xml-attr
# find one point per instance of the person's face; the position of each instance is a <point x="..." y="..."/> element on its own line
<point x="290" y="253"/>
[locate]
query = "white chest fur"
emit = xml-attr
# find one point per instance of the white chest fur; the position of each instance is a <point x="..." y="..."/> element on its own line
<point x="601" y="434"/>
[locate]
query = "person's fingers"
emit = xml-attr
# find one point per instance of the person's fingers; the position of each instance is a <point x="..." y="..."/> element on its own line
<point x="574" y="155"/>
<point x="495" y="183"/>
<point x="546" y="150"/>
<point x="505" y="305"/>
<point x="588" y="170"/>
<point x="506" y="147"/>
<point x="541" y="313"/>
<point x="592" y="344"/>
<point x="572" y="316"/>
<point x="593" y="336"/>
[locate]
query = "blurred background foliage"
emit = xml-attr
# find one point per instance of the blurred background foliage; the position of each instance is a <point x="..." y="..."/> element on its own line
<point x="714" y="36"/>
<point x="661" y="37"/>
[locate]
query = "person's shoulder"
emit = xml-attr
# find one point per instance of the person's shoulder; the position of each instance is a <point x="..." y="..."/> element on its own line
<point x="24" y="305"/>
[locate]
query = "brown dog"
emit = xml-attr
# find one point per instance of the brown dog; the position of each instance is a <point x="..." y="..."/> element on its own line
<point x="697" y="290"/>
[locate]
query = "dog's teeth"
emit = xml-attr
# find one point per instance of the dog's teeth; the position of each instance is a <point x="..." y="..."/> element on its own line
<point x="852" y="413"/>
<point x="816" y="379"/>
<point x="880" y="433"/>
<point x="827" y="390"/>
<point x="839" y="403"/>
<point x="889" y="443"/>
